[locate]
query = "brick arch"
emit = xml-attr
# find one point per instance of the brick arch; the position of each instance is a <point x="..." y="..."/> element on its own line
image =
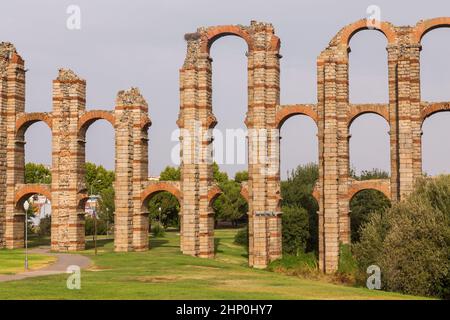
<point x="215" y="33"/>
<point x="382" y="185"/>
<point x="158" y="187"/>
<point x="244" y="191"/>
<point x="350" y="30"/>
<point x="358" y="110"/>
<point x="425" y="26"/>
<point x="433" y="108"/>
<point x="25" y="120"/>
<point x="90" y="117"/>
<point x="286" y="112"/>
<point x="213" y="193"/>
<point x="27" y="190"/>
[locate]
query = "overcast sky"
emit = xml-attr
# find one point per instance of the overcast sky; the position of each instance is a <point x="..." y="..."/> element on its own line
<point x="140" y="43"/>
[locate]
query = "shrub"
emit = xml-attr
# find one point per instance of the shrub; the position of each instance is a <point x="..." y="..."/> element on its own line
<point x="158" y="230"/>
<point x="241" y="237"/>
<point x="295" y="230"/>
<point x="410" y="242"/>
<point x="303" y="264"/>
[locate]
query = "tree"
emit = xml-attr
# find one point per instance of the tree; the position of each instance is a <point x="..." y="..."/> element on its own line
<point x="230" y="205"/>
<point x="218" y="175"/>
<point x="410" y="241"/>
<point x="106" y="205"/>
<point x="241" y="176"/>
<point x="296" y="191"/>
<point x="170" y="174"/>
<point x="295" y="230"/>
<point x="37" y="173"/>
<point x="100" y="181"/>
<point x="98" y="178"/>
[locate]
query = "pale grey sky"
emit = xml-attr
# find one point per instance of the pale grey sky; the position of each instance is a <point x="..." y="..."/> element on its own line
<point x="140" y="43"/>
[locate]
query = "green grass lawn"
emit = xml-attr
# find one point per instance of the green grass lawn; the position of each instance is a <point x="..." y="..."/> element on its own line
<point x="164" y="273"/>
<point x="12" y="261"/>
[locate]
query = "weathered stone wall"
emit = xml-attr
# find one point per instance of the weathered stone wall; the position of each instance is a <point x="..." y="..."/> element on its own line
<point x="196" y="121"/>
<point x="333" y="114"/>
<point x="68" y="193"/>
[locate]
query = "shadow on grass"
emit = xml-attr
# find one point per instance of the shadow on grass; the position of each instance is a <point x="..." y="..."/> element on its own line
<point x="158" y="242"/>
<point x="35" y="241"/>
<point x="101" y="243"/>
<point x="216" y="245"/>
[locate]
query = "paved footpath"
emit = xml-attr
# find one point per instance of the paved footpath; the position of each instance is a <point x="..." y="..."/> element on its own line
<point x="63" y="260"/>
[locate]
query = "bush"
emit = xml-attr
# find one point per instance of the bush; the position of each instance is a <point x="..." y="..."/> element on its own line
<point x="410" y="242"/>
<point x="241" y="237"/>
<point x="295" y="230"/>
<point x="303" y="264"/>
<point x="89" y="226"/>
<point x="158" y="230"/>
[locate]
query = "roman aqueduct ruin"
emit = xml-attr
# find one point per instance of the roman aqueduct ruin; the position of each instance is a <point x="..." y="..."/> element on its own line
<point x="332" y="113"/>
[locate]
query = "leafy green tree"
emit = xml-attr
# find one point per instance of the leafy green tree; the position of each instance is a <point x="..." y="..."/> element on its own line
<point x="296" y="191"/>
<point x="37" y="173"/>
<point x="170" y="174"/>
<point x="218" y="175"/>
<point x="241" y="176"/>
<point x="295" y="230"/>
<point x="230" y="205"/>
<point x="410" y="241"/>
<point x="106" y="205"/>
<point x="98" y="178"/>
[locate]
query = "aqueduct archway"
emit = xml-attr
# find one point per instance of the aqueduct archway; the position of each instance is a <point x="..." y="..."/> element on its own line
<point x="405" y="113"/>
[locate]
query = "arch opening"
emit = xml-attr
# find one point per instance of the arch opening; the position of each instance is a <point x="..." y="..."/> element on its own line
<point x="368" y="68"/>
<point x="97" y="148"/>
<point x="230" y="104"/>
<point x="435" y="148"/>
<point x="434" y="79"/>
<point x="362" y="204"/>
<point x="369" y="145"/>
<point x="34" y="151"/>
<point x="33" y="212"/>
<point x="162" y="208"/>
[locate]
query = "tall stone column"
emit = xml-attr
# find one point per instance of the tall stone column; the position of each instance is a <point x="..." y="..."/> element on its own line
<point x="69" y="94"/>
<point x="131" y="222"/>
<point x="196" y="122"/>
<point x="13" y="72"/>
<point x="264" y="145"/>
<point x="328" y="162"/>
<point x="4" y="58"/>
<point x="405" y="119"/>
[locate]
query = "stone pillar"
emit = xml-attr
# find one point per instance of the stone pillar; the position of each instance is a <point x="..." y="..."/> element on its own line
<point x="13" y="71"/>
<point x="343" y="137"/>
<point x="131" y="222"/>
<point x="4" y="56"/>
<point x="196" y="122"/>
<point x="328" y="161"/>
<point x="264" y="145"/>
<point x="69" y="94"/>
<point x="405" y="119"/>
